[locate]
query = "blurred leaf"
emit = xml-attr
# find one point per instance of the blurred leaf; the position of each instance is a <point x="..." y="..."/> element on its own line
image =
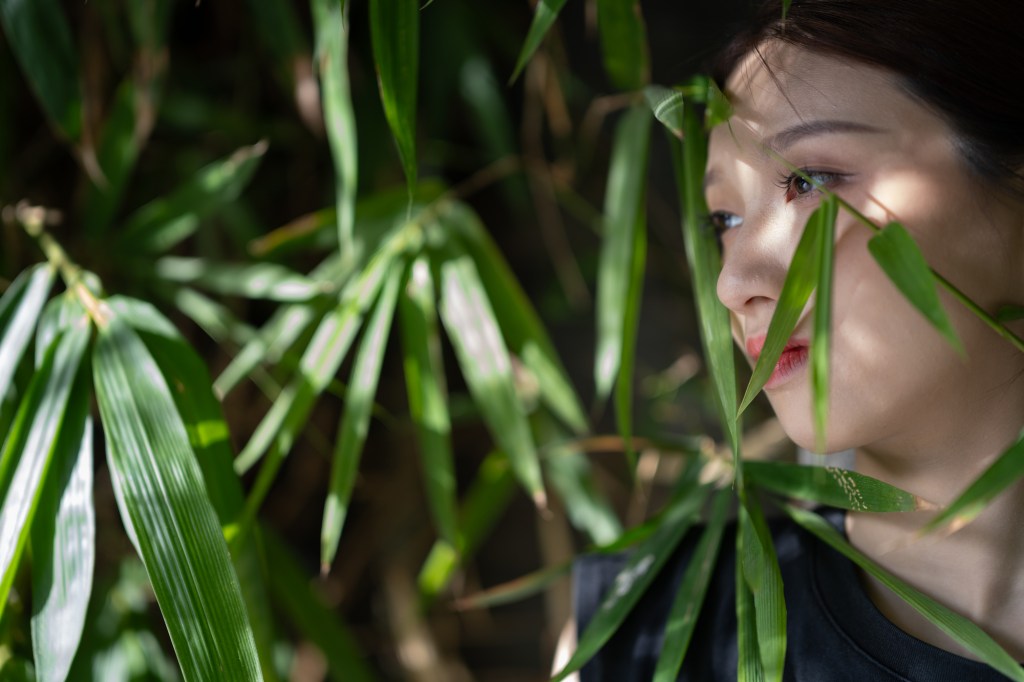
<point x="543" y="18"/>
<point x="624" y="201"/>
<point x="514" y="590"/>
<point x="40" y="38"/>
<point x="1007" y="470"/>
<point x="314" y="618"/>
<point x="667" y="106"/>
<point x="163" y="495"/>
<point x="1010" y="313"/>
<point x="278" y="26"/>
<point x="395" y="26"/>
<point x="520" y="325"/>
<point x="898" y="255"/>
<point x="469" y="320"/>
<point x="690" y="596"/>
<point x="212" y="317"/>
<point x="63" y="546"/>
<point x="623" y="43"/>
<point x="960" y="629"/>
<point x="749" y="667"/>
<point x="764" y="579"/>
<point x="37" y="433"/>
<point x="20" y="307"/>
<point x="801" y="278"/>
<point x="821" y="341"/>
<point x="638" y="573"/>
<point x="252" y="280"/>
<point x="355" y="421"/>
<point x="164" y="222"/>
<point x="332" y="31"/>
<point x="832" y="486"/>
<point x="116" y="153"/>
<point x="630" y="327"/>
<point x="428" y="395"/>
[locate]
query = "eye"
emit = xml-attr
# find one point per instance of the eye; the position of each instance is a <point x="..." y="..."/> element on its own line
<point x="797" y="186"/>
<point x="721" y="221"/>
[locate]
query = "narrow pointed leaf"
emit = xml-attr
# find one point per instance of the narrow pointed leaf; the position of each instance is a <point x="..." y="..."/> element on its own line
<point x="63" y="545"/>
<point x="832" y="486"/>
<point x="749" y="666"/>
<point x="667" y="106"/>
<point x="960" y="629"/>
<point x="253" y="280"/>
<point x="544" y="16"/>
<point x="901" y="259"/>
<point x="630" y="327"/>
<point x="515" y="590"/>
<point x="801" y="279"/>
<point x="623" y="43"/>
<point x="470" y="323"/>
<point x="764" y="579"/>
<point x="682" y="619"/>
<point x="20" y="308"/>
<point x="355" y="421"/>
<point x="116" y="153"/>
<point x="821" y="339"/>
<point x="395" y="29"/>
<point x="332" y="32"/>
<point x="428" y="396"/>
<point x="162" y="492"/>
<point x="40" y="38"/>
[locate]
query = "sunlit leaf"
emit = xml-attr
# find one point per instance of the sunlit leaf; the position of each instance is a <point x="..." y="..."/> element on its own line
<point x="544" y="16"/>
<point x="667" y="106"/>
<point x="960" y="629"/>
<point x="623" y="43"/>
<point x="764" y="580"/>
<point x="355" y="420"/>
<point x="832" y="486"/>
<point x="164" y="500"/>
<point x="624" y="198"/>
<point x="20" y="307"/>
<point x="395" y="27"/>
<point x="252" y="280"/>
<point x="899" y="256"/>
<point x="821" y="339"/>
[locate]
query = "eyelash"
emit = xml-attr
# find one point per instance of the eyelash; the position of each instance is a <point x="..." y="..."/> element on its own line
<point x="789" y="182"/>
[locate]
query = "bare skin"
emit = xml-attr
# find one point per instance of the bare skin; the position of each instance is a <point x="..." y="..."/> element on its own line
<point x="918" y="415"/>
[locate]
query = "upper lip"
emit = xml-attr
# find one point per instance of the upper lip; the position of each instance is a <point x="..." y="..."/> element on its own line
<point x="755" y="344"/>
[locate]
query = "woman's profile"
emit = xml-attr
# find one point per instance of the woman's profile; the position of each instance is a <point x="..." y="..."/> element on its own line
<point x="910" y="111"/>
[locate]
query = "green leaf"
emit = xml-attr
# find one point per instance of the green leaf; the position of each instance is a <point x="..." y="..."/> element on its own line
<point x="63" y="547"/>
<point x="278" y="26"/>
<point x="428" y="395"/>
<point x="898" y="255"/>
<point x="630" y="327"/>
<point x="624" y="198"/>
<point x="821" y="341"/>
<point x="164" y="502"/>
<point x="764" y="580"/>
<point x="164" y="222"/>
<point x="395" y="28"/>
<point x="43" y="417"/>
<point x="623" y="43"/>
<point x="690" y="596"/>
<point x="1001" y="474"/>
<point x="20" y="307"/>
<point x="749" y="666"/>
<point x="667" y="106"/>
<point x="514" y="590"/>
<point x="543" y="18"/>
<point x="641" y="569"/>
<point x="960" y="629"/>
<point x="801" y="278"/>
<point x="252" y="280"/>
<point x="40" y="38"/>
<point x="355" y="421"/>
<point x="832" y="486"/>
<point x="332" y="32"/>
<point x="469" y="320"/>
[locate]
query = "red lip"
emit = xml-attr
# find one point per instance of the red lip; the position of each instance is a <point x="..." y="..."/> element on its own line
<point x="792" y="360"/>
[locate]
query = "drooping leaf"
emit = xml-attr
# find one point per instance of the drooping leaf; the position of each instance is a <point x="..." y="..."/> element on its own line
<point x="624" y="197"/>
<point x="20" y="307"/>
<point x="164" y="502"/>
<point x="355" y="420"/>
<point x="544" y="16"/>
<point x="623" y="43"/>
<point x="395" y="28"/>
<point x="832" y="486"/>
<point x="960" y="629"/>
<point x="821" y="339"/>
<point x="900" y="258"/>
<point x="253" y="280"/>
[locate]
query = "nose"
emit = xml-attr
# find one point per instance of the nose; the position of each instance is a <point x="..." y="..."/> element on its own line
<point x="755" y="258"/>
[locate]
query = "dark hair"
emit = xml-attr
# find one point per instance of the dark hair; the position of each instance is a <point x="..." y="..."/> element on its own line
<point x="962" y="58"/>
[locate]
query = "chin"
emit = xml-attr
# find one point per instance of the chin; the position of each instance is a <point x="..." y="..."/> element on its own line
<point x="799" y="427"/>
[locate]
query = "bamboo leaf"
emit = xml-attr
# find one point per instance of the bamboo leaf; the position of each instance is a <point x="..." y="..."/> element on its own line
<point x="544" y="16"/>
<point x="428" y="396"/>
<point x="116" y="154"/>
<point x="356" y="419"/>
<point x="899" y="256"/>
<point x="514" y="590"/>
<point x="332" y="33"/>
<point x="801" y="278"/>
<point x="395" y="28"/>
<point x="164" y="502"/>
<point x="960" y="629"/>
<point x="623" y="43"/>
<point x="821" y="339"/>
<point x="832" y="486"/>
<point x="690" y="596"/>
<point x="630" y="327"/>
<point x="749" y="666"/>
<point x="63" y="547"/>
<point x="252" y="280"/>
<point x="764" y="579"/>
<point x="1001" y="474"/>
<point x="667" y="106"/>
<point x="40" y="39"/>
<point x="20" y="307"/>
<point x="624" y="197"/>
<point x="470" y="323"/>
<point x="164" y="222"/>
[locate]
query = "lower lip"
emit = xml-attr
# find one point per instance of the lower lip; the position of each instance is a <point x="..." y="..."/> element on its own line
<point x="790" y="363"/>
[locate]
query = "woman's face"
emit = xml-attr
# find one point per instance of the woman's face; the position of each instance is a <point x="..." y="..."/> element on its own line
<point x="896" y="385"/>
